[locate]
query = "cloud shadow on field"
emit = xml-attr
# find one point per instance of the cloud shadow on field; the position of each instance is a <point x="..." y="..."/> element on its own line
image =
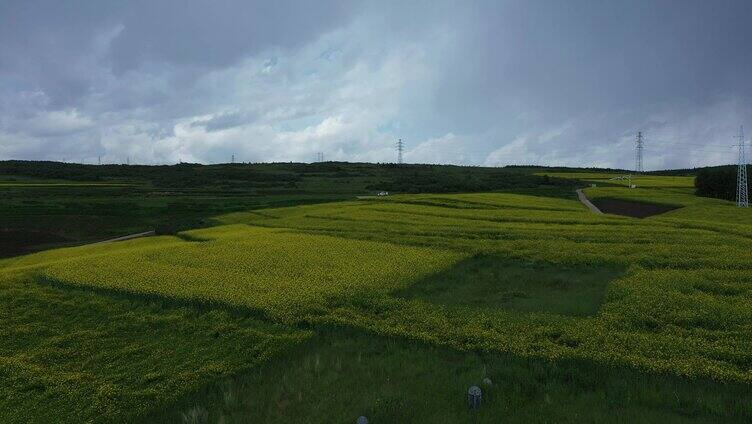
<point x="487" y="281"/>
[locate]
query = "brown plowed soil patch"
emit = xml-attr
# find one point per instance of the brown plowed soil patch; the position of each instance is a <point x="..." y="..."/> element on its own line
<point x="631" y="208"/>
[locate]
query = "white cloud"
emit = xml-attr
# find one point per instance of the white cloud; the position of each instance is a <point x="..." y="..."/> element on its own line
<point x="448" y="148"/>
<point x="56" y="123"/>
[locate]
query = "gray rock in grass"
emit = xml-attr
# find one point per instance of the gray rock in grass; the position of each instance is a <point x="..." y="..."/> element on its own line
<point x="474" y="395"/>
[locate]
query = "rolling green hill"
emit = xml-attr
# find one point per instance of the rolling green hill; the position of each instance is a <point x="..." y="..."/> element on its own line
<point x="391" y="307"/>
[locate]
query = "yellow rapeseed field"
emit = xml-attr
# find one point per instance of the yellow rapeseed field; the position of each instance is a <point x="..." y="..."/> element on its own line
<point x="683" y="304"/>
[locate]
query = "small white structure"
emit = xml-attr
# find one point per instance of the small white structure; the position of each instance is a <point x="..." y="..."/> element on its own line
<point x="628" y="178"/>
<point x="383" y="193"/>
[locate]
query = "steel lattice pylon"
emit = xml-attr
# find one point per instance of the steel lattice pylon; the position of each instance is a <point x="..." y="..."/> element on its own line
<point x="638" y="153"/>
<point x="400" y="147"/>
<point x="742" y="195"/>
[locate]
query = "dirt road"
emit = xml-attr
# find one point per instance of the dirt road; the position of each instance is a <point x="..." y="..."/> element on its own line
<point x="585" y="201"/>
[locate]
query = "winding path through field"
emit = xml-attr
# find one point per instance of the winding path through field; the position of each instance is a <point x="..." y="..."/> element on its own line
<point x="585" y="201"/>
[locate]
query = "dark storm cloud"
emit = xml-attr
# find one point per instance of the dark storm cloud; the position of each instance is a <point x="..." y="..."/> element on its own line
<point x="224" y="121"/>
<point x="597" y="70"/>
<point x="559" y="59"/>
<point x="215" y="33"/>
<point x="45" y="40"/>
<point x="472" y="82"/>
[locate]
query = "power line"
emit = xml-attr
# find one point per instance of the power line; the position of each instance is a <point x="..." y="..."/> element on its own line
<point x="696" y="147"/>
<point x="742" y="195"/>
<point x="683" y="143"/>
<point x="400" y="147"/>
<point x="688" y="146"/>
<point x="727" y="150"/>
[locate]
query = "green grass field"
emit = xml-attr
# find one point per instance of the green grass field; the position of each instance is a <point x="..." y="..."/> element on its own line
<point x="391" y="307"/>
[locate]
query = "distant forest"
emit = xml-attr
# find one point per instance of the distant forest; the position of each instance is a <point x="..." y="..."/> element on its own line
<point x="292" y="177"/>
<point x="719" y="182"/>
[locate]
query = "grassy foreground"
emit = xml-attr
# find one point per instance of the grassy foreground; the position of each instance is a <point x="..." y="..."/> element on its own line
<point x="71" y="355"/>
<point x="340" y="375"/>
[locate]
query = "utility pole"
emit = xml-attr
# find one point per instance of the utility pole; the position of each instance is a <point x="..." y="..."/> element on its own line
<point x="638" y="153"/>
<point x="400" y="147"/>
<point x="99" y="160"/>
<point x="742" y="195"/>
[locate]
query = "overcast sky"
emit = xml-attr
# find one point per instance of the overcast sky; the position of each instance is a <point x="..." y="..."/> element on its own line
<point x="483" y="83"/>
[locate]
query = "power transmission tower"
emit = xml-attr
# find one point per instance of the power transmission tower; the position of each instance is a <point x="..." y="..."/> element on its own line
<point x="742" y="195"/>
<point x="638" y="153"/>
<point x="400" y="147"/>
<point x="233" y="158"/>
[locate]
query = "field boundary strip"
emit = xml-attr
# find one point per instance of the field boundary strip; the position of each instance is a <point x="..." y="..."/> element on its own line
<point x="128" y="237"/>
